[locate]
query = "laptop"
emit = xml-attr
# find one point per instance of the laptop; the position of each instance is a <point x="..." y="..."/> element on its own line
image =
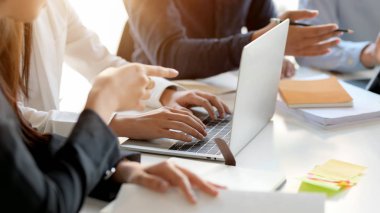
<point x="259" y="76"/>
<point x="370" y="84"/>
<point x="374" y="84"/>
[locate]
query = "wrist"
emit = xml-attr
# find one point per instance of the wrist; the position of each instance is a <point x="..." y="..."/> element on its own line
<point x="262" y="31"/>
<point x="367" y="57"/>
<point x="167" y="96"/>
<point x="118" y="125"/>
<point x="102" y="106"/>
<point x="124" y="170"/>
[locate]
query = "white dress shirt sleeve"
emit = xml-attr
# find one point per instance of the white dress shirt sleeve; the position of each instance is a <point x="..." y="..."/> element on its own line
<point x="85" y="53"/>
<point x="53" y="121"/>
<point x="346" y="56"/>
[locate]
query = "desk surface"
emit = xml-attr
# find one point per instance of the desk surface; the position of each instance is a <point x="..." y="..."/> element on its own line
<point x="295" y="147"/>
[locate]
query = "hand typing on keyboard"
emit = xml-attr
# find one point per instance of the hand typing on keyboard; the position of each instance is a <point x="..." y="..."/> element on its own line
<point x="220" y="128"/>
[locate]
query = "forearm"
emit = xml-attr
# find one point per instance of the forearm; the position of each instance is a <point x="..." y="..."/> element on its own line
<point x="67" y="176"/>
<point x="163" y="38"/>
<point x="344" y="58"/>
<point x="201" y="58"/>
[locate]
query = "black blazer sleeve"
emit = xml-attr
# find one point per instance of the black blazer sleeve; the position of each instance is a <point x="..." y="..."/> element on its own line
<point x="69" y="175"/>
<point x="105" y="190"/>
<point x="156" y="26"/>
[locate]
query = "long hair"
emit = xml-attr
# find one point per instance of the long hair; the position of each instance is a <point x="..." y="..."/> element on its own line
<point x="15" y="53"/>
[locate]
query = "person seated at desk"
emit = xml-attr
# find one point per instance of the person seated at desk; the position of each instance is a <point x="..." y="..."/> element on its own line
<point x="357" y="51"/>
<point x="202" y="38"/>
<point x="58" y="26"/>
<point x="49" y="173"/>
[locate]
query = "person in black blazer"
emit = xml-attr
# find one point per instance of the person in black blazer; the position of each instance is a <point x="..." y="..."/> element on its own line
<point x="49" y="173"/>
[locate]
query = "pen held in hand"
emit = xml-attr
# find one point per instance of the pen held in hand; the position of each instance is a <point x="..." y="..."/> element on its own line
<point x="349" y="31"/>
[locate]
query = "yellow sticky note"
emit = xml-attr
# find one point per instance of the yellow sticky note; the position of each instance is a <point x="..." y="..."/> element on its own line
<point x="305" y="187"/>
<point x="344" y="166"/>
<point x="330" y="186"/>
<point x="338" y="170"/>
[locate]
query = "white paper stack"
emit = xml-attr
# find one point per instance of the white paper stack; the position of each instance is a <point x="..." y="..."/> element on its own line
<point x="138" y="199"/>
<point x="366" y="106"/>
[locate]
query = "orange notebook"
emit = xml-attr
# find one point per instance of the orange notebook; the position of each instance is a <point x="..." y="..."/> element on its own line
<point x="314" y="93"/>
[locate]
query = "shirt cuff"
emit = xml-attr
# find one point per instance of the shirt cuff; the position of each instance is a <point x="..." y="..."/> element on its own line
<point x="60" y="122"/>
<point x="161" y="85"/>
<point x="354" y="51"/>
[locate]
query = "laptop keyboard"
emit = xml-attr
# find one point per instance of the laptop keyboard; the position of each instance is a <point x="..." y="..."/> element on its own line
<point x="215" y="129"/>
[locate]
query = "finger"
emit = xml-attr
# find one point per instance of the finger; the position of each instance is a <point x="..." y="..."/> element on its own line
<point x="319" y="49"/>
<point x="152" y="182"/>
<point x="203" y="102"/>
<point x="189" y="120"/>
<point x="215" y="101"/>
<point x="179" y="126"/>
<point x="175" y="177"/>
<point x="217" y="186"/>
<point x="313" y="31"/>
<point x="321" y="38"/>
<point x="201" y="184"/>
<point x="226" y="108"/>
<point x="291" y="70"/>
<point x="284" y="69"/>
<point x="160" y="71"/>
<point x="190" y="114"/>
<point x="182" y="181"/>
<point x="181" y="108"/>
<point x="300" y="14"/>
<point x="176" y="135"/>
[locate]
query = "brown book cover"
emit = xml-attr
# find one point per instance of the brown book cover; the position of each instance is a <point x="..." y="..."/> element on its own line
<point x="314" y="93"/>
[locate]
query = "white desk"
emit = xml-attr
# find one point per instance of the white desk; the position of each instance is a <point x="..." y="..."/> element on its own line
<point x="295" y="147"/>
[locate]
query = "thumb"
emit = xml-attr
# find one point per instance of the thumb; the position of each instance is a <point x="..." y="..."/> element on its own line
<point x="300" y="14"/>
<point x="160" y="71"/>
<point x="152" y="182"/>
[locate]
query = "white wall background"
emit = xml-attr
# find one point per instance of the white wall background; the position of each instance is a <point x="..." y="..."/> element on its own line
<point x="106" y="18"/>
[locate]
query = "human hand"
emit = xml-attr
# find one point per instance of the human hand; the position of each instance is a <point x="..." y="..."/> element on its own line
<point x="160" y="123"/>
<point x="124" y="88"/>
<point x="312" y="40"/>
<point x="370" y="56"/>
<point x="191" y="98"/>
<point x="288" y="69"/>
<point x="161" y="176"/>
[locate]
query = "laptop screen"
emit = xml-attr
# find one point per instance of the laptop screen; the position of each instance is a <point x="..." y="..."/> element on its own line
<point x="374" y="85"/>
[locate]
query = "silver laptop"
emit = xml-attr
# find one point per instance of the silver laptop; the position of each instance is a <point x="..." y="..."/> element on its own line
<point x="259" y="76"/>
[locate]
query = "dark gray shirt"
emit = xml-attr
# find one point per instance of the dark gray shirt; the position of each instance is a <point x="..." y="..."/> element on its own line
<point x="199" y="38"/>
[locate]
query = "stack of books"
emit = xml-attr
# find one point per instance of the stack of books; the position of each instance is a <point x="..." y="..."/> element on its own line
<point x="365" y="104"/>
<point x="314" y="93"/>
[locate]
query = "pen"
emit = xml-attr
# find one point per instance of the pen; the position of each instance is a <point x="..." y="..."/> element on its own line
<point x="277" y="20"/>
<point x="349" y="31"/>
